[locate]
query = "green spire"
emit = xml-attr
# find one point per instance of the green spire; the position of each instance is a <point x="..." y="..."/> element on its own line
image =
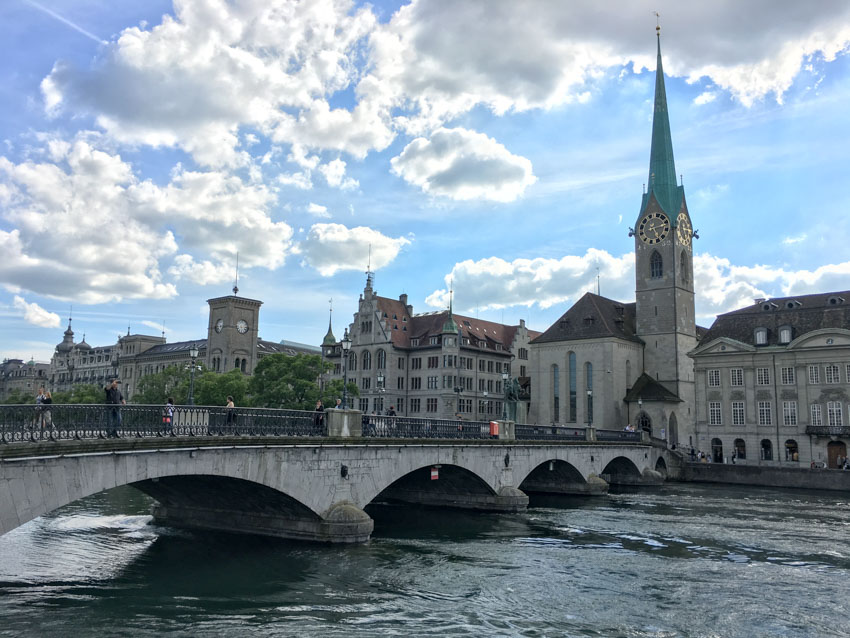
<point x="662" y="169"/>
<point x="329" y="339"/>
<point x="450" y="325"/>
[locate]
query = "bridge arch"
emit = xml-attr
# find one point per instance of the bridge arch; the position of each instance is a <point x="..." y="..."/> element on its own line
<point x="621" y="470"/>
<point x="554" y="475"/>
<point x="439" y="484"/>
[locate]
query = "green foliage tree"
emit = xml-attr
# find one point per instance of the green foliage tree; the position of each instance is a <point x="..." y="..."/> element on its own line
<point x="155" y="389"/>
<point x="18" y="397"/>
<point x="81" y="393"/>
<point x="282" y="381"/>
<point x="213" y="389"/>
<point x="333" y="390"/>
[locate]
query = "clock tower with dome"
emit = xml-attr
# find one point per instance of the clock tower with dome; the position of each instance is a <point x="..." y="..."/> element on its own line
<point x="232" y="333"/>
<point x="664" y="282"/>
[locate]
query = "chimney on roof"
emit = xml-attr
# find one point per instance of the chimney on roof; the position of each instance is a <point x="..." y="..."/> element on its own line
<point x="522" y="323"/>
<point x="403" y="298"/>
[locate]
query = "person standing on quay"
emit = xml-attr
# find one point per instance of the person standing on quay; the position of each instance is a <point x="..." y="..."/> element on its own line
<point x="115" y="399"/>
<point x="319" y="418"/>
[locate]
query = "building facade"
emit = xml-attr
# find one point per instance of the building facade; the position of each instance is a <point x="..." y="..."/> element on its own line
<point x="436" y="364"/>
<point x="773" y="382"/>
<point x="611" y="364"/>
<point x="17" y="376"/>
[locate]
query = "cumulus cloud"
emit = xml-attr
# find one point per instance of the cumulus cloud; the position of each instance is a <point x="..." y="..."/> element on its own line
<point x="334" y="172"/>
<point x="86" y="228"/>
<point x="721" y="286"/>
<point x="35" y="314"/>
<point x="317" y="210"/>
<point x="463" y="164"/>
<point x="274" y="67"/>
<point x="332" y="247"/>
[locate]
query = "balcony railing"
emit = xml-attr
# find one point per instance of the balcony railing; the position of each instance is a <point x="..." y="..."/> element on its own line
<point x="828" y="430"/>
<point x="19" y="423"/>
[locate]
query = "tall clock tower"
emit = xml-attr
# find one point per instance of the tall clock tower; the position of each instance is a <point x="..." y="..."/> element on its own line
<point x="664" y="287"/>
<point x="232" y="334"/>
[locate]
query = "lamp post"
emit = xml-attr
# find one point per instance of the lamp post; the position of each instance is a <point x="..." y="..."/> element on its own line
<point x="193" y="353"/>
<point x="590" y="408"/>
<point x="505" y="377"/>
<point x="640" y="411"/>
<point x="346" y="346"/>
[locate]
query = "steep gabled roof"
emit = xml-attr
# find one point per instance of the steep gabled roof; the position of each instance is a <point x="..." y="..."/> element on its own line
<point x="804" y="314"/>
<point x="593" y="317"/>
<point x="646" y="388"/>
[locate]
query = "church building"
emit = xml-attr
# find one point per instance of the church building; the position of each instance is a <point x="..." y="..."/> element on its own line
<point x="607" y="363"/>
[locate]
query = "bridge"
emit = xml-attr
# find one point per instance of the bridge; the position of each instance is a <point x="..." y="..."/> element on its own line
<point x="300" y="475"/>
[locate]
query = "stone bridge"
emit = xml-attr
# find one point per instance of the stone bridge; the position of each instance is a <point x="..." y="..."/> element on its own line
<point x="313" y="489"/>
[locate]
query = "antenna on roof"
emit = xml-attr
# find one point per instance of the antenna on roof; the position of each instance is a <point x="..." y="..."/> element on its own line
<point x="236" y="281"/>
<point x="597" y="281"/>
<point x="163" y="329"/>
<point x="128" y="329"/>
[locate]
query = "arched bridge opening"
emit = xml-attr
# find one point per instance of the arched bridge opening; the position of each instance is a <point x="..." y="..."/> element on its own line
<point x="559" y="477"/>
<point x="621" y="471"/>
<point x="444" y="485"/>
<point x="228" y="504"/>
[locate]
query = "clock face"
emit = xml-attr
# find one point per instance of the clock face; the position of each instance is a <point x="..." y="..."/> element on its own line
<point x="654" y="228"/>
<point x="684" y="231"/>
<point x="219" y="325"/>
<point x="242" y="326"/>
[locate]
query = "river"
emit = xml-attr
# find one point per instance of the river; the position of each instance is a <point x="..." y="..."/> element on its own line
<point x="682" y="560"/>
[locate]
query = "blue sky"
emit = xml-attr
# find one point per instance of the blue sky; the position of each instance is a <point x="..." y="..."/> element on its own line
<point x="500" y="146"/>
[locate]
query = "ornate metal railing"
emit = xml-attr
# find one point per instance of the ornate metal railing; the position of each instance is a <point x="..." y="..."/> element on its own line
<point x="20" y="423"/>
<point x="828" y="430"/>
<point x="527" y="432"/>
<point x="617" y="435"/>
<point x="405" y="427"/>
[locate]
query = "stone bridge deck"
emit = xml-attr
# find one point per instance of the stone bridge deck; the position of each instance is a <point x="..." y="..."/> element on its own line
<point x="308" y="487"/>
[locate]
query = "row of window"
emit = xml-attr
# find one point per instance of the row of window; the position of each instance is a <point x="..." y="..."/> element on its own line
<point x="448" y="361"/>
<point x="764" y="413"/>
<point x="436" y="382"/>
<point x="573" y="390"/>
<point x="788" y="375"/>
<point x="739" y="450"/>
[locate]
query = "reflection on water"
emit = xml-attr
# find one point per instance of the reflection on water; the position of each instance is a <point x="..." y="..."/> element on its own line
<point x="677" y="561"/>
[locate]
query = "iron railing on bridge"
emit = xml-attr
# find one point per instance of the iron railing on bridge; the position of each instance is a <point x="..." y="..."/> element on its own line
<point x="405" y="427"/>
<point x="56" y="422"/>
<point x="526" y="432"/>
<point x="617" y="435"/>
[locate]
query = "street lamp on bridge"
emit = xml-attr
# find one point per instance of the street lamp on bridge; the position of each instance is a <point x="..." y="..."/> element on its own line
<point x="346" y="346"/>
<point x="193" y="354"/>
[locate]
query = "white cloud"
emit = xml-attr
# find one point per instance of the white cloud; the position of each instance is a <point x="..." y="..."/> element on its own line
<point x="156" y="326"/>
<point x="788" y="241"/>
<point x="35" y="314"/>
<point x="86" y="228"/>
<point x="317" y="210"/>
<point x="463" y="165"/>
<point x="721" y="286"/>
<point x="332" y="247"/>
<point x="705" y="97"/>
<point x="334" y="172"/>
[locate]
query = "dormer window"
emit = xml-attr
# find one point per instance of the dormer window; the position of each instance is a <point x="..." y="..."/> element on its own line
<point x="435" y="341"/>
<point x="761" y="336"/>
<point x="785" y="334"/>
<point x="414" y="342"/>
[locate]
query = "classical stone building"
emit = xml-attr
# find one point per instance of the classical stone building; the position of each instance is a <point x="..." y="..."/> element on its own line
<point x="607" y="363"/>
<point x="773" y="382"/>
<point x="232" y="342"/>
<point x="17" y="376"/>
<point x="435" y="364"/>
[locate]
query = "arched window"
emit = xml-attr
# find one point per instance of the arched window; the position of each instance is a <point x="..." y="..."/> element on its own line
<point x="716" y="451"/>
<point x="766" y="450"/>
<point x="792" y="452"/>
<point x="628" y="374"/>
<point x="352" y="362"/>
<point x="382" y="359"/>
<point x="573" y="384"/>
<point x="588" y="382"/>
<point x="644" y="423"/>
<point x="656" y="265"/>
<point x="683" y="265"/>
<point x="556" y="393"/>
<point x="242" y="365"/>
<point x="740" y="449"/>
<point x="236" y="363"/>
<point x="367" y="360"/>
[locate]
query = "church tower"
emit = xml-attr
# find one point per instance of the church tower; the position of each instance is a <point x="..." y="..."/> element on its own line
<point x="664" y="288"/>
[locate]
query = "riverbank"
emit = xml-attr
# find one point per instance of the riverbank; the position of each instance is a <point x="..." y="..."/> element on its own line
<point x="766" y="476"/>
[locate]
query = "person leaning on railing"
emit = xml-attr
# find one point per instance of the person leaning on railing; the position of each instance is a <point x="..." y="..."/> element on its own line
<point x="115" y="399"/>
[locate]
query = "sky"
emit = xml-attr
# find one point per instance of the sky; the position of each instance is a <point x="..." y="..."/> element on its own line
<point x="498" y="149"/>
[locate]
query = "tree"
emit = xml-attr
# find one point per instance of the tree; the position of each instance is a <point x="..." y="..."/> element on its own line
<point x="212" y="388"/>
<point x="333" y="391"/>
<point x="282" y="381"/>
<point x="18" y="397"/>
<point x="81" y="393"/>
<point x="155" y="389"/>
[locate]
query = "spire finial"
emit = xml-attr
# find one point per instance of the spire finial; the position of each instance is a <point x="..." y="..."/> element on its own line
<point x="451" y="294"/>
<point x="369" y="274"/>
<point x="657" y="23"/>
<point x="236" y="280"/>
